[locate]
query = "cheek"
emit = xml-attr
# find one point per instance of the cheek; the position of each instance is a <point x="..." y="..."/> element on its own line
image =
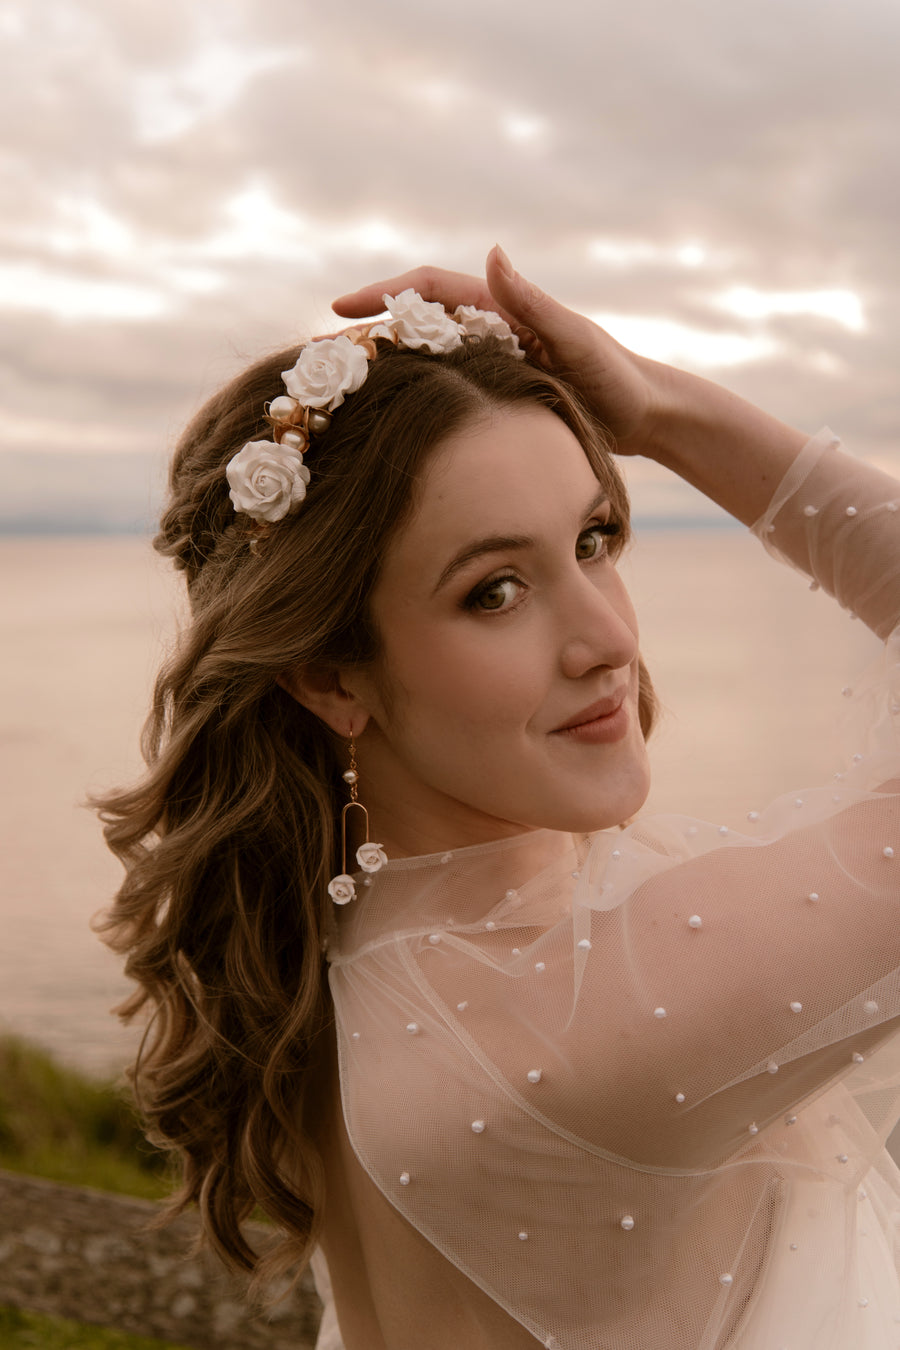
<point x="465" y="677"/>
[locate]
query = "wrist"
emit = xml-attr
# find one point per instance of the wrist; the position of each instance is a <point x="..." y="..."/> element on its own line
<point x="692" y="417"/>
<point x="732" y="451"/>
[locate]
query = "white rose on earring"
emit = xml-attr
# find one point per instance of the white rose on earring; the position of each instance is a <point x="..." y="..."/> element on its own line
<point x="266" y="480"/>
<point x="325" y="371"/>
<point x="422" y="323"/>
<point x="342" y="889"/>
<point x="371" y="857"/>
<point x="482" y="323"/>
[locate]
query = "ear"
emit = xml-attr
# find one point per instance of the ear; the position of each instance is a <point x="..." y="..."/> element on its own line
<point x="322" y="692"/>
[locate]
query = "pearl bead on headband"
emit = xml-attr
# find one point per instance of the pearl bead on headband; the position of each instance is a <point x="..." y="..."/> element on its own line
<point x="267" y="478"/>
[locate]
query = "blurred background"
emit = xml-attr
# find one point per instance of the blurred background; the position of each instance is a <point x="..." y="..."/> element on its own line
<point x="187" y="184"/>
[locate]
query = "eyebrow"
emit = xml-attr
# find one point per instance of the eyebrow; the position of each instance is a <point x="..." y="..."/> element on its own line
<point x="500" y="543"/>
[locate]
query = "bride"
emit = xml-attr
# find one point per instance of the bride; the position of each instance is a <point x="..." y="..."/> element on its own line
<point x="509" y="1069"/>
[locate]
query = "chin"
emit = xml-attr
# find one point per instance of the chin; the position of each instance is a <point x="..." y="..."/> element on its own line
<point x="612" y="810"/>
<point x="600" y="811"/>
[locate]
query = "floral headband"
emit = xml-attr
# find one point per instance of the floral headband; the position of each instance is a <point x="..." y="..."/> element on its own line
<point x="268" y="478"/>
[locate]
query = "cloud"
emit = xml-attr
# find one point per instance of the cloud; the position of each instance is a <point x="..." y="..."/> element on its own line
<point x="189" y="184"/>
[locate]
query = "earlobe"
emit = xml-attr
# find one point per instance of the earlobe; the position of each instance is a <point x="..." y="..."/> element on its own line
<point x="322" y="692"/>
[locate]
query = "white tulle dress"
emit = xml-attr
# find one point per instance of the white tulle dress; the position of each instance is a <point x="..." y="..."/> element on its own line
<point x="632" y="1091"/>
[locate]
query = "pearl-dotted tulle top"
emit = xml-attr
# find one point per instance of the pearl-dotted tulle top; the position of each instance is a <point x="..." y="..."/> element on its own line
<point x="635" y="1088"/>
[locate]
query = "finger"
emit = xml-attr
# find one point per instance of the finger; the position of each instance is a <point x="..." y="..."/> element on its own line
<point x="531" y="308"/>
<point x="432" y="283"/>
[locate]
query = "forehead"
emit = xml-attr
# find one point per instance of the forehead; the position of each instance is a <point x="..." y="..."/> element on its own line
<point x="516" y="471"/>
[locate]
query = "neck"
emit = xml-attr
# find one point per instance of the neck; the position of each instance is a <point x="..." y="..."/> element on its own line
<point x="408" y="828"/>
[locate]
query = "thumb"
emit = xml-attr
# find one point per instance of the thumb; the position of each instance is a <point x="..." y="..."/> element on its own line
<point x="558" y="328"/>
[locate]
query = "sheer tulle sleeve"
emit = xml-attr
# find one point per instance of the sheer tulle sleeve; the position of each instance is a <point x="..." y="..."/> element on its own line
<point x="637" y="1087"/>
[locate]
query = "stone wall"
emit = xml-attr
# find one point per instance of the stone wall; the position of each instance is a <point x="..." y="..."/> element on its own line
<point x="86" y="1255"/>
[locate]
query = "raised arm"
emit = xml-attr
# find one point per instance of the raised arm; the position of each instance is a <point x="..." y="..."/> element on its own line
<point x="732" y="451"/>
<point x="727" y="448"/>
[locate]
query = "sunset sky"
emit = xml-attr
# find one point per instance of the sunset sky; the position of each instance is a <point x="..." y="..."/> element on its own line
<point x="187" y="183"/>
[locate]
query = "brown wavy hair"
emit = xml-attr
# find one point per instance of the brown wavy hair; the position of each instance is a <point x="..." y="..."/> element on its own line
<point x="229" y="840"/>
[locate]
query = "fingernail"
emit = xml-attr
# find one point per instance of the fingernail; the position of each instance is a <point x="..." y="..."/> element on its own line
<point x="503" y="262"/>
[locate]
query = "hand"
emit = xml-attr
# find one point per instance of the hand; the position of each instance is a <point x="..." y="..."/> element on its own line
<point x="622" y="389"/>
<point x="730" y="450"/>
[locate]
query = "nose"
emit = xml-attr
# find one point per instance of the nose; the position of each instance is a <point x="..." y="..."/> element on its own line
<point x="598" y="627"/>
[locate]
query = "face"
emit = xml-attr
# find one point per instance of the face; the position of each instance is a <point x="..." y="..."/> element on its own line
<point x="506" y="695"/>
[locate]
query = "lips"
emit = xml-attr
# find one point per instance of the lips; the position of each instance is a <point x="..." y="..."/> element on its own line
<point x="604" y="707"/>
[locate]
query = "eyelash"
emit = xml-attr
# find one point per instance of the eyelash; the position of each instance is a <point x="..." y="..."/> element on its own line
<point x="608" y="529"/>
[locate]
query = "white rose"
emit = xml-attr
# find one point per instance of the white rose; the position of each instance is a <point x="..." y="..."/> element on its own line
<point x="371" y="857"/>
<point x="342" y="889"/>
<point x="325" y="371"/>
<point x="422" y="323"/>
<point x="267" y="480"/>
<point x="482" y="323"/>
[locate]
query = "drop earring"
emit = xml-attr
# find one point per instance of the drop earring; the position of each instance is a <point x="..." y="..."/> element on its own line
<point x="371" y="857"/>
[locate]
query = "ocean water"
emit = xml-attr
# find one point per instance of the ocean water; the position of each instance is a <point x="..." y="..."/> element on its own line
<point x="748" y="664"/>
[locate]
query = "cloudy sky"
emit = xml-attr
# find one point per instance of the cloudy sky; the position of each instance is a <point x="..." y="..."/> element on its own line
<point x="187" y="182"/>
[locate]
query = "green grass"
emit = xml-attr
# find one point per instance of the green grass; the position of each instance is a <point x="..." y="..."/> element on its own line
<point x="31" y="1331"/>
<point x="57" y="1124"/>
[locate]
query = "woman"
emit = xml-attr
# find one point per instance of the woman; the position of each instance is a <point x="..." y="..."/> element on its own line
<point x="571" y="1084"/>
